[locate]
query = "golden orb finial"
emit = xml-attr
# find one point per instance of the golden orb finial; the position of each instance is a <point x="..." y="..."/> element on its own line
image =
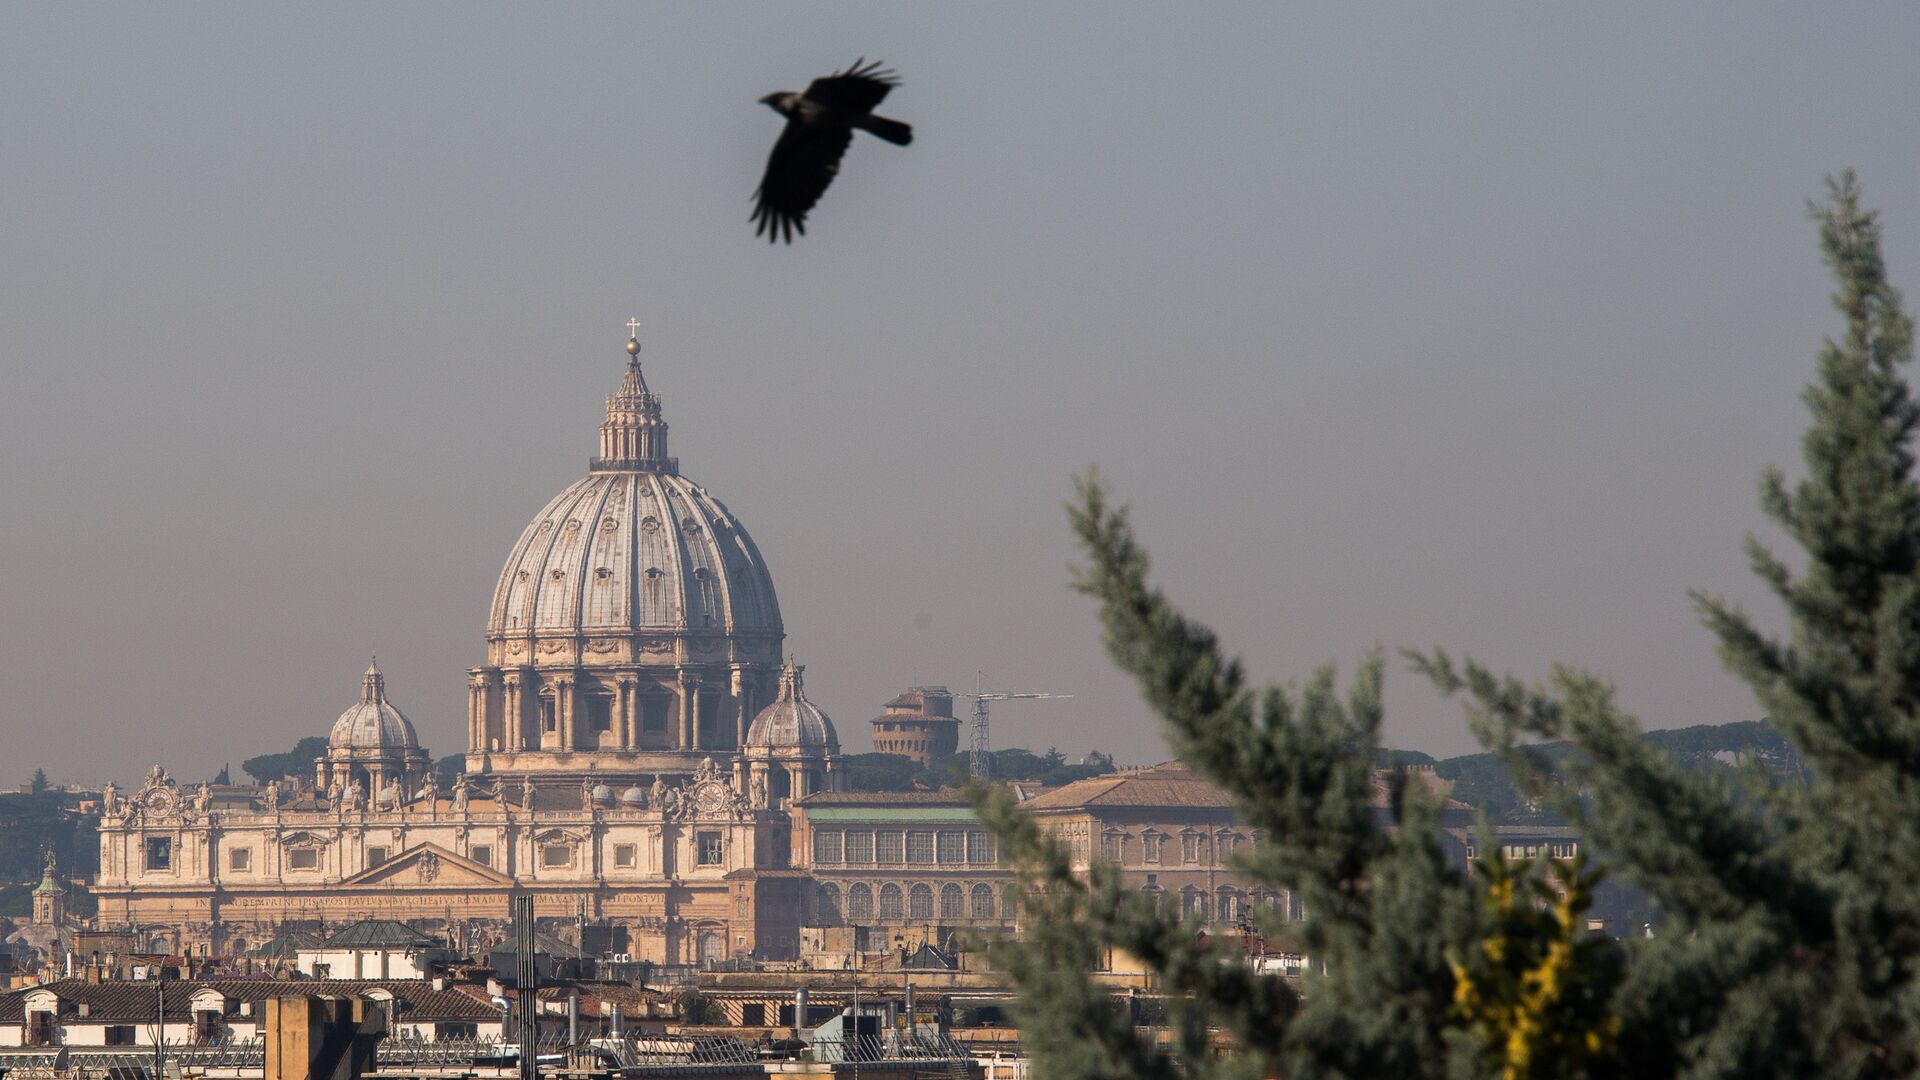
<point x="633" y="346"/>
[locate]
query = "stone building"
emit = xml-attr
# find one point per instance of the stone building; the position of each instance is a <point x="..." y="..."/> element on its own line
<point x="918" y="724"/>
<point x="633" y="740"/>
<point x="1170" y="830"/>
<point x="885" y="862"/>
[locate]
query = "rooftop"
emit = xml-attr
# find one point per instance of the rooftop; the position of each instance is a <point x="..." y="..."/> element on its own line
<point x="1167" y="784"/>
<point x="382" y="934"/>
<point x="121" y="1001"/>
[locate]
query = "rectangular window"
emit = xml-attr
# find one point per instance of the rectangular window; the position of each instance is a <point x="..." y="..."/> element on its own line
<point x="555" y="855"/>
<point x="240" y="858"/>
<point x="887" y="847"/>
<point x="455" y="1029"/>
<point x="979" y="848"/>
<point x="711" y="850"/>
<point x="159" y="852"/>
<point x="119" y="1034"/>
<point x="303" y="858"/>
<point x="548" y="720"/>
<point x="623" y="856"/>
<point x="376" y="856"/>
<point x="953" y="848"/>
<point x="1150" y="847"/>
<point x="1190" y="848"/>
<point x="653" y="713"/>
<point x="481" y="853"/>
<point x="1112" y="847"/>
<point x="600" y="712"/>
<point x="826" y="848"/>
<point x="920" y="847"/>
<point x="860" y="848"/>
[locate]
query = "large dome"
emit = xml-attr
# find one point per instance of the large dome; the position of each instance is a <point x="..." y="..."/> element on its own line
<point x="634" y="628"/>
<point x="627" y="552"/>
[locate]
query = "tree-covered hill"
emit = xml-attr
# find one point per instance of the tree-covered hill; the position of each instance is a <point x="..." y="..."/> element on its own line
<point x="1482" y="781"/>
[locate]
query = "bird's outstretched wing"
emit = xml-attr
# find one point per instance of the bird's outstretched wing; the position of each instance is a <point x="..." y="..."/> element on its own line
<point x="855" y="90"/>
<point x="804" y="161"/>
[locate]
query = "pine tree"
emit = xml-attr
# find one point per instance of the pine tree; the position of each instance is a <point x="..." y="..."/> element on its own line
<point x="1789" y="937"/>
<point x="40" y="783"/>
<point x="1392" y="914"/>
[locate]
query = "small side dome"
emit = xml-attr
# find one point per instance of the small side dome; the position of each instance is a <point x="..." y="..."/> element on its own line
<point x="633" y="798"/>
<point x="792" y="721"/>
<point x="602" y="795"/>
<point x="372" y="723"/>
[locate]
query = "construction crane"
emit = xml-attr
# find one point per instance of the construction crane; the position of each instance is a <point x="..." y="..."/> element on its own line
<point x="980" y="761"/>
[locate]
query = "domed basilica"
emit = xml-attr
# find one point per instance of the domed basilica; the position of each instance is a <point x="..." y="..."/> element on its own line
<point x="634" y="741"/>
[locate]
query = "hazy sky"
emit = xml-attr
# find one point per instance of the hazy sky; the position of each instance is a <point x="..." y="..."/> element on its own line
<point x="1423" y="324"/>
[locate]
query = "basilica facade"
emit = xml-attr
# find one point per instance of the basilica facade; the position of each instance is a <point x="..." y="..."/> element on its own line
<point x="634" y="745"/>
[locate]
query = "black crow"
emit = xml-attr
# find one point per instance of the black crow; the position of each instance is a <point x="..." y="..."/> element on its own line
<point x="820" y="124"/>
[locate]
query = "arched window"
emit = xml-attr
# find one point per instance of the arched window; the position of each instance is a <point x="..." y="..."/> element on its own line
<point x="860" y="902"/>
<point x="890" y="907"/>
<point x="1227" y="906"/>
<point x="953" y="901"/>
<point x="982" y="906"/>
<point x="828" y="902"/>
<point x="1193" y="903"/>
<point x="920" y="902"/>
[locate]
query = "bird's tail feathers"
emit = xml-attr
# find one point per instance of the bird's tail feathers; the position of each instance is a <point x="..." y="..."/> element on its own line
<point x="893" y="131"/>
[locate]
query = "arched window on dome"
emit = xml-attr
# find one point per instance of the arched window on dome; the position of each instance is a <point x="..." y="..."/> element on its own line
<point x="981" y="906"/>
<point x="890" y="902"/>
<point x="859" y="901"/>
<point x="953" y="901"/>
<point x="920" y="902"/>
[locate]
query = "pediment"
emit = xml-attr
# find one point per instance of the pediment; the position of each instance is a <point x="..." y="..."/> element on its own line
<point x="433" y="866"/>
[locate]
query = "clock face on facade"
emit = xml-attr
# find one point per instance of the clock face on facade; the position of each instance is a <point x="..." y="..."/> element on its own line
<point x="162" y="800"/>
<point x="709" y="798"/>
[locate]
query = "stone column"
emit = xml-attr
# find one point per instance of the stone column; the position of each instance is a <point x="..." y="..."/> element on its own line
<point x="514" y="737"/>
<point x="686" y="725"/>
<point x="623" y="714"/>
<point x="740" y="699"/>
<point x="696" y="713"/>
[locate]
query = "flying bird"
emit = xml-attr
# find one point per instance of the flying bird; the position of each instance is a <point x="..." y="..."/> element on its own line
<point x="820" y="124"/>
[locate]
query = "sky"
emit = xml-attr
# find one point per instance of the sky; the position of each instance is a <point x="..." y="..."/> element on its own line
<point x="1467" y="325"/>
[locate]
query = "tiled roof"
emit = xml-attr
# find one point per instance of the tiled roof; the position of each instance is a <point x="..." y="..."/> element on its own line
<point x="284" y="944"/>
<point x="125" y="1001"/>
<point x="1168" y="784"/>
<point x="383" y="934"/>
